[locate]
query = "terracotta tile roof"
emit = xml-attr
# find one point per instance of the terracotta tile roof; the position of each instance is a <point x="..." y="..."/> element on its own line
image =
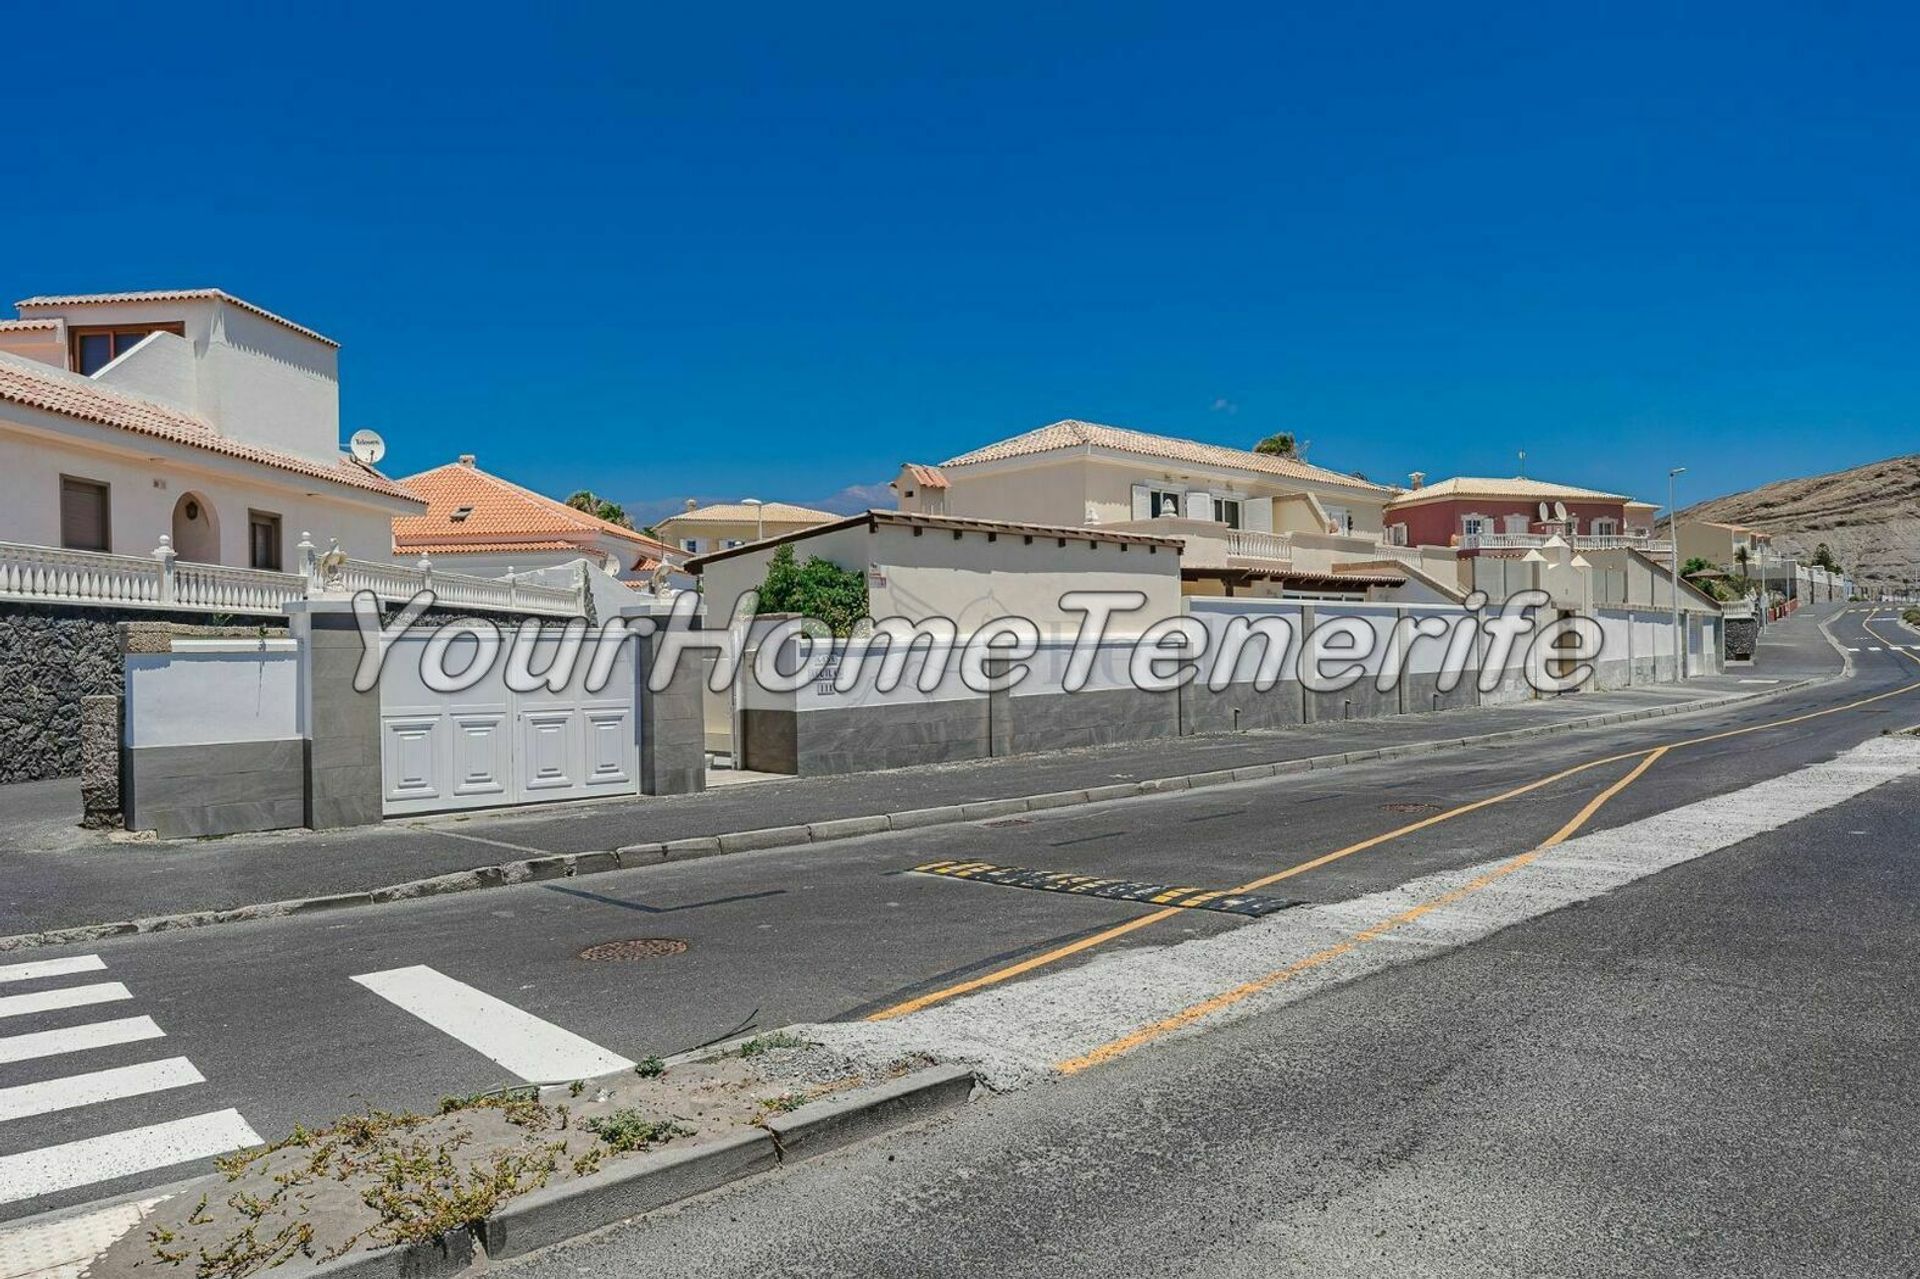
<point x="927" y="477"/>
<point x="1532" y="490"/>
<point x="501" y="517"/>
<point x="959" y="524"/>
<point x="1074" y="434"/>
<point x="167" y="295"/>
<point x="42" y="386"/>
<point x="741" y="513"/>
<point x="16" y="326"/>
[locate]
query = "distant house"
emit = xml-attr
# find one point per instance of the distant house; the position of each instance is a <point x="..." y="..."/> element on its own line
<point x="699" y="530"/>
<point x="1251" y="523"/>
<point x="188" y="414"/>
<point x="1477" y="515"/>
<point x="478" y="523"/>
<point x="1727" y="545"/>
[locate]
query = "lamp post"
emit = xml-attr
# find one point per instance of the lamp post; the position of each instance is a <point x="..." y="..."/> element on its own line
<point x="759" y="517"/>
<point x="1673" y="533"/>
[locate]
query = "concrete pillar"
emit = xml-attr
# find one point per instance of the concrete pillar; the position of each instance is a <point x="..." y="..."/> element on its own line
<point x="340" y="724"/>
<point x="100" y="760"/>
<point x="1306" y="694"/>
<point x="673" y="722"/>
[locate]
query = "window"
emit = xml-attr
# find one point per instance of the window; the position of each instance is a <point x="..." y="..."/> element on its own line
<point x="691" y="545"/>
<point x="731" y="542"/>
<point x="84" y="525"/>
<point x="1473" y="525"/>
<point x="95" y="348"/>
<point x="1515" y="523"/>
<point x="1163" y="502"/>
<point x="1226" y="510"/>
<point x="1341" y="519"/>
<point x="1396" y="535"/>
<point x="263" y="540"/>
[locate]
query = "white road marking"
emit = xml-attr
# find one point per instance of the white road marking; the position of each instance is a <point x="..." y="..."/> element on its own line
<point x="1118" y="993"/>
<point x="119" y="1154"/>
<point x="1759" y="681"/>
<point x="41" y="1001"/>
<point x="537" y="1051"/>
<point x="52" y="967"/>
<point x="97" y="1086"/>
<point x="73" y="1039"/>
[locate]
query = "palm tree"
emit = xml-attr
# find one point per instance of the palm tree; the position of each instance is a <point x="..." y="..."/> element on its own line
<point x="600" y="508"/>
<point x="1281" y="445"/>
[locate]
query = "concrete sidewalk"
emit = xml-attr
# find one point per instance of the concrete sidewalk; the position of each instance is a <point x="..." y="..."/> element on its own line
<point x="51" y="879"/>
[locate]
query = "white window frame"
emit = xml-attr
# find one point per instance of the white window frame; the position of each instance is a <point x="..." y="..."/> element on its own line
<point x="1473" y="525"/>
<point x="1163" y="503"/>
<point x="1222" y="506"/>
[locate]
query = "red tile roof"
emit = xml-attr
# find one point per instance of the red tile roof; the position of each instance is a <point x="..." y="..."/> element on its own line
<point x="502" y="517"/>
<point x="42" y="386"/>
<point x="927" y="477"/>
<point x="167" y="295"/>
<point x="1076" y="434"/>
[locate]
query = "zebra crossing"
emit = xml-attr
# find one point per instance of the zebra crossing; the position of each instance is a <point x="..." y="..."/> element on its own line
<point x="58" y="1065"/>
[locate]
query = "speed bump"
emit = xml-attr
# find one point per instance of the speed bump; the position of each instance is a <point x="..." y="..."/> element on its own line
<point x="1223" y="900"/>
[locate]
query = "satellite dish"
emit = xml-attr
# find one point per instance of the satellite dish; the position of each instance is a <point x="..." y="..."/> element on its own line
<point x="1559" y="510"/>
<point x="368" y="448"/>
<point x="1543" y="512"/>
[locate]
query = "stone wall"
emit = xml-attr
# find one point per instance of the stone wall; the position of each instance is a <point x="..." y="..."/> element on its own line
<point x="52" y="655"/>
<point x="1743" y="635"/>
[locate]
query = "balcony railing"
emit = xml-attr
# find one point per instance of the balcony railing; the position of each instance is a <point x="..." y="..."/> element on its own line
<point x="1578" y="541"/>
<point x="54" y="575"/>
<point x="1253" y="545"/>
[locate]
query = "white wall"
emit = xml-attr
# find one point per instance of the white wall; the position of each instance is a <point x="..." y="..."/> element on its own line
<point x="144" y="492"/>
<point x="215" y="691"/>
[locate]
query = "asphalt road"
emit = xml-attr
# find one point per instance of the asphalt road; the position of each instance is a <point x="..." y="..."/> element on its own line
<point x="269" y="1012"/>
<point x="1709" y="1072"/>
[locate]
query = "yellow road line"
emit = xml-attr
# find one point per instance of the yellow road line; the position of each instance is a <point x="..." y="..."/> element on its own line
<point x="1226" y="999"/>
<point x="1133" y="925"/>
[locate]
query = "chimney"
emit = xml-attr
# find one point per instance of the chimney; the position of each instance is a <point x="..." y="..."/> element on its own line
<point x="693" y="504"/>
<point x="466" y="459"/>
<point x="1416" y="479"/>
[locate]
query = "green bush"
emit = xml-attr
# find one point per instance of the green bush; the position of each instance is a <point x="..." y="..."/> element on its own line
<point x="818" y="589"/>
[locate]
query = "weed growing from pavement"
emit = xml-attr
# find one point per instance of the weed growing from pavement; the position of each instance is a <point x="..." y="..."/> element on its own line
<point x="650" y="1068"/>
<point x="630" y="1128"/>
<point x="786" y="1103"/>
<point x="767" y="1043"/>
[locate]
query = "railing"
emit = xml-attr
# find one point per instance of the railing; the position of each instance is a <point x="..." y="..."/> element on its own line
<point x="1579" y="541"/>
<point x="53" y="575"/>
<point x="1254" y="545"/>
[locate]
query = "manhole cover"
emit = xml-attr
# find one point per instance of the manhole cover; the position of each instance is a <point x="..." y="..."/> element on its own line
<point x="638" y="948"/>
<point x="1412" y="808"/>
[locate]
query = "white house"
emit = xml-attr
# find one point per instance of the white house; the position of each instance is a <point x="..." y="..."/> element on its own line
<point x="185" y="413"/>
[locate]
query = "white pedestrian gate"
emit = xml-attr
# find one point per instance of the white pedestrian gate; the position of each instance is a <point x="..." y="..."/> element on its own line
<point x="492" y="744"/>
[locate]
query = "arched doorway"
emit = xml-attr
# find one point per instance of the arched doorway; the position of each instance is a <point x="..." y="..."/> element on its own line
<point x="196" y="529"/>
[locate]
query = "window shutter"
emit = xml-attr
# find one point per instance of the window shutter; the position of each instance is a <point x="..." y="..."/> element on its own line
<point x="1141" y="508"/>
<point x="1256" y="514"/>
<point x="1198" y="505"/>
<point x="83" y="516"/>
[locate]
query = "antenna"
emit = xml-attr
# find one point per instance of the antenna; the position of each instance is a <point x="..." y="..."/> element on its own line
<point x="367" y="446"/>
<point x="1523" y="464"/>
<point x="1560" y="510"/>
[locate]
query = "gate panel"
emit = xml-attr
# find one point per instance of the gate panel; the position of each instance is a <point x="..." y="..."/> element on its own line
<point x="487" y="745"/>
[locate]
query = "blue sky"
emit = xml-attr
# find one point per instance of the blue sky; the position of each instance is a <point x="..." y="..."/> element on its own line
<point x="730" y="251"/>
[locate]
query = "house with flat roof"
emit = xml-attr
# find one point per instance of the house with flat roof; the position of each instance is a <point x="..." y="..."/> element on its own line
<point x="1260" y="522"/>
<point x="478" y="523"/>
<point x="185" y="414"/>
<point x="1478" y="515"/>
<point x="700" y="530"/>
<point x="1729" y="546"/>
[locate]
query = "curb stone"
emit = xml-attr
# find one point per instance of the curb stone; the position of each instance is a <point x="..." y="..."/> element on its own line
<point x="574" y="865"/>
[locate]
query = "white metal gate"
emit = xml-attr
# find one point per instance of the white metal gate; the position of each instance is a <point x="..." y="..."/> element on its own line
<point x="490" y="745"/>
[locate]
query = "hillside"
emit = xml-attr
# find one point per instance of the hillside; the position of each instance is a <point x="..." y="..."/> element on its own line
<point x="1869" y="517"/>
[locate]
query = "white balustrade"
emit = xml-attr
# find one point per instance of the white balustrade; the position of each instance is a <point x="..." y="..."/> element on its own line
<point x="54" y="575"/>
<point x="1256" y="545"/>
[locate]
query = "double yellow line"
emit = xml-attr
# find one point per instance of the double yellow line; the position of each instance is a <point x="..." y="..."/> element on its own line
<point x="1647" y="756"/>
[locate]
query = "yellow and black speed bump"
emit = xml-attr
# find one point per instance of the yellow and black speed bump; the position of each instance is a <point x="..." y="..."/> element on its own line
<point x="1223" y="900"/>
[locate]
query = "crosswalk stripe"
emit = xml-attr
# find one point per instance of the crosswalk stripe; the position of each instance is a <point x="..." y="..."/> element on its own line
<point x="537" y="1051"/>
<point x="52" y="967"/>
<point x="42" y="1001"/>
<point x="73" y="1039"/>
<point x="119" y="1154"/>
<point x="95" y="1086"/>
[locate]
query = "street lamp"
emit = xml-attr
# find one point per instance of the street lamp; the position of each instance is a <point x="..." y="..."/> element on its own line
<point x="759" y="517"/>
<point x="1673" y="535"/>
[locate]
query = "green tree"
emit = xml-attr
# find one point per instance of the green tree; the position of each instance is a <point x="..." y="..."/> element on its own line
<point x="1695" y="565"/>
<point x="600" y="508"/>
<point x="1281" y="445"/>
<point x="1823" y="558"/>
<point x="818" y="589"/>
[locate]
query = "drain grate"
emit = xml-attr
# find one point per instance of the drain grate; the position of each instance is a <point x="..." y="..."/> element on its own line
<point x="1411" y="808"/>
<point x="637" y="948"/>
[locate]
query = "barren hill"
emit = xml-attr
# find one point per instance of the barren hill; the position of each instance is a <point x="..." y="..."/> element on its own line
<point x="1868" y="516"/>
